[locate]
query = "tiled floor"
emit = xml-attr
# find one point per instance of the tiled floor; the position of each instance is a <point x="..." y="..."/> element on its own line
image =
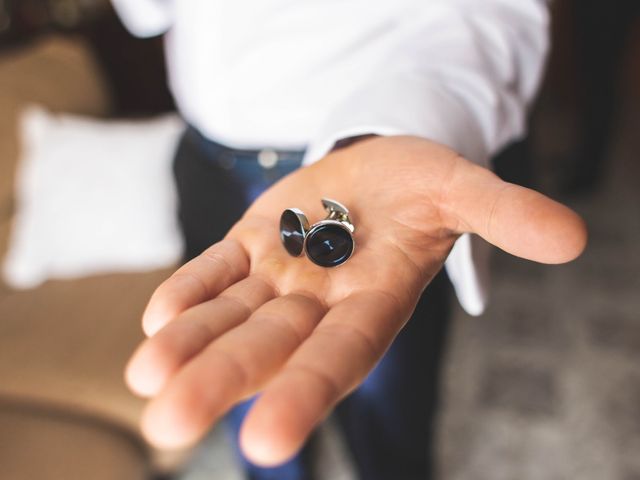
<point x="546" y="384"/>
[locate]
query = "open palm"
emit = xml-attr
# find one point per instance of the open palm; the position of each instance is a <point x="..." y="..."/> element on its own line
<point x="245" y="316"/>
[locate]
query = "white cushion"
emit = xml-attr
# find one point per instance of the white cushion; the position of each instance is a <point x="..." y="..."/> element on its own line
<point x="92" y="196"/>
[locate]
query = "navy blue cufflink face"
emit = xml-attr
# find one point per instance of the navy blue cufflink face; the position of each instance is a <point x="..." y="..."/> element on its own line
<point x="328" y="243"/>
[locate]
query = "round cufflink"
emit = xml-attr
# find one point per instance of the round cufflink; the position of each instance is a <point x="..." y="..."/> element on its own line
<point x="293" y="230"/>
<point x="328" y="243"/>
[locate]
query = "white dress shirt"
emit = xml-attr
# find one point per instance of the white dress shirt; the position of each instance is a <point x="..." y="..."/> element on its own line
<point x="306" y="73"/>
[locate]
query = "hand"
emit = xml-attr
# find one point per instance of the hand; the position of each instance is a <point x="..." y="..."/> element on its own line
<point x="245" y="317"/>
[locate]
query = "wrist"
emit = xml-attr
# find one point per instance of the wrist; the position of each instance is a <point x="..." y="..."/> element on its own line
<point x="348" y="141"/>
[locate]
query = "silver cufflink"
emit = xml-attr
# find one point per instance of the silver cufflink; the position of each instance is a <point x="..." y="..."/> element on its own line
<point x="328" y="243"/>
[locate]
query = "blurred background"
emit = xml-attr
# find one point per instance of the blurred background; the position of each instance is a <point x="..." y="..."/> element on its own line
<point x="545" y="385"/>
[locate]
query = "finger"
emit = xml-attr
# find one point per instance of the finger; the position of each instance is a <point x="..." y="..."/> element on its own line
<point x="518" y="220"/>
<point x="199" y="280"/>
<point x="231" y="368"/>
<point x="160" y="356"/>
<point x="341" y="351"/>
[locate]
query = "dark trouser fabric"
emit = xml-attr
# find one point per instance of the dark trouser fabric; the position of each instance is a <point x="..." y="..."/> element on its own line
<point x="388" y="420"/>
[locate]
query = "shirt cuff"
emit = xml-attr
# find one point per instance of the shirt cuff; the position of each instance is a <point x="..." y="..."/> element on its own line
<point x="145" y="18"/>
<point x="406" y="106"/>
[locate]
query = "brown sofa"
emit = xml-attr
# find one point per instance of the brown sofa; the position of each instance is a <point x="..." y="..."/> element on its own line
<point x="65" y="412"/>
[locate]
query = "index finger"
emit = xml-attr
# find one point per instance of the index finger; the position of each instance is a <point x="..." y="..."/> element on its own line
<point x="199" y="280"/>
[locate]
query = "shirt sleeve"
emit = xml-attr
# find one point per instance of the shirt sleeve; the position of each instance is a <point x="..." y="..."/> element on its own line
<point x="460" y="73"/>
<point x="145" y="18"/>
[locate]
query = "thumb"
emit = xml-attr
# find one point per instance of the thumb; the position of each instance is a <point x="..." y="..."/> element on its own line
<point x="518" y="220"/>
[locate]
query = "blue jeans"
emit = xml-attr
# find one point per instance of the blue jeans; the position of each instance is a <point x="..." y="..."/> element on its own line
<point x="388" y="421"/>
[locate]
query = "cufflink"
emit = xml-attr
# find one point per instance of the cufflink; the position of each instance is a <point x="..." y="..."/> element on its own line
<point x="328" y="243"/>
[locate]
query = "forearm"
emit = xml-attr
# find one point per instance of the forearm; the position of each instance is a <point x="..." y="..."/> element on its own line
<point x="462" y="74"/>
